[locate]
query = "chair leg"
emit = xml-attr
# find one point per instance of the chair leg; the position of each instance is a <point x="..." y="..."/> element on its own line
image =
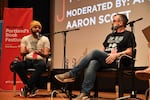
<point x="120" y="91"/>
<point x="147" y="94"/>
<point x="96" y="87"/>
<point x="120" y="84"/>
<point x="14" y="84"/>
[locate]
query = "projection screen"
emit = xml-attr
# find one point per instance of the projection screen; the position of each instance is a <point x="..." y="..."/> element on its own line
<point x="84" y="25"/>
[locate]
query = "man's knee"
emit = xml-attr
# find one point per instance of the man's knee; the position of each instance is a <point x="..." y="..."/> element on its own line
<point x="15" y="66"/>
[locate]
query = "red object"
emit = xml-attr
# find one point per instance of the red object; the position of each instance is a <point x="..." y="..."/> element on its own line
<point x="34" y="55"/>
<point x="16" y="24"/>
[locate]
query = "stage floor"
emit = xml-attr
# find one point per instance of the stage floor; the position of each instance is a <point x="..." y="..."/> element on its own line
<point x="45" y="95"/>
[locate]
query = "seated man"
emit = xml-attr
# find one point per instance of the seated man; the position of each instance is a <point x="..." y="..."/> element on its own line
<point x="34" y="49"/>
<point x="144" y="74"/>
<point x="117" y="43"/>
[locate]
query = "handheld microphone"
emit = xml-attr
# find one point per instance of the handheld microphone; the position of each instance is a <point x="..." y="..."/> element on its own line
<point x="114" y="29"/>
<point x="38" y="35"/>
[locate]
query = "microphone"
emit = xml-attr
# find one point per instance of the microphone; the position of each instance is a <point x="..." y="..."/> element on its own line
<point x="114" y="29"/>
<point x="38" y="35"/>
<point x="134" y="21"/>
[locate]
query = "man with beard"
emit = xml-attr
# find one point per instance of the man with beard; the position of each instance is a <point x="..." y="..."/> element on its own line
<point x="34" y="49"/>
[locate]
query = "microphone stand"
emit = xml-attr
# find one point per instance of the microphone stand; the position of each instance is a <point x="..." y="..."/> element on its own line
<point x="133" y="92"/>
<point x="65" y="32"/>
<point x="64" y="90"/>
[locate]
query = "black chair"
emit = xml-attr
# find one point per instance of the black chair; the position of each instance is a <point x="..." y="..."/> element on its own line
<point x="46" y="74"/>
<point x="124" y="66"/>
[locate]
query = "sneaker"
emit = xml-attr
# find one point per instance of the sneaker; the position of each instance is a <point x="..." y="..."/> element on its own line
<point x="82" y="96"/>
<point x="143" y="74"/>
<point x="65" y="77"/>
<point x="33" y="92"/>
<point x="24" y="91"/>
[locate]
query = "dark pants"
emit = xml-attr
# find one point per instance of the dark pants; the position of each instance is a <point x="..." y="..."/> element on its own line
<point x="21" y="69"/>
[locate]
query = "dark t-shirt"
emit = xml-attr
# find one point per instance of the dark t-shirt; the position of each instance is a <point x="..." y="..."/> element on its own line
<point x="120" y="41"/>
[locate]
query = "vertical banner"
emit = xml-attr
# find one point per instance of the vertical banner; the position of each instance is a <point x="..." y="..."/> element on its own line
<point x="15" y="25"/>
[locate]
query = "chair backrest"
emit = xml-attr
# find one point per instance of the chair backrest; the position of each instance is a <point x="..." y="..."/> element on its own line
<point x="134" y="53"/>
<point x="128" y="61"/>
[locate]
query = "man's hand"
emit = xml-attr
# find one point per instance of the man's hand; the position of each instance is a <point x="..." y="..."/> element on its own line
<point x="111" y="58"/>
<point x="39" y="52"/>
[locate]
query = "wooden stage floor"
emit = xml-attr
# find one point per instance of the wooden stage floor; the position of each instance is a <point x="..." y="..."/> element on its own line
<point x="45" y="95"/>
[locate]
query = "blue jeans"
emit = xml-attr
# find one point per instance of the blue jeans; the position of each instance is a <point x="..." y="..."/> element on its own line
<point x="92" y="62"/>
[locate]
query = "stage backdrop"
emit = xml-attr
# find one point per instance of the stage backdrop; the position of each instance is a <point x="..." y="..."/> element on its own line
<point x="15" y="25"/>
<point x="94" y="19"/>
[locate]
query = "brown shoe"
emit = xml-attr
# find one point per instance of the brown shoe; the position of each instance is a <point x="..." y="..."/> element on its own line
<point x="143" y="74"/>
<point x="82" y="96"/>
<point x="65" y="77"/>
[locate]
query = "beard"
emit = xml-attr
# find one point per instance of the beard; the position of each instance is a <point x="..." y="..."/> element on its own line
<point x="35" y="32"/>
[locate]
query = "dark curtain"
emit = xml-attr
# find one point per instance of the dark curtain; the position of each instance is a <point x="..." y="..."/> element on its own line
<point x="41" y="11"/>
